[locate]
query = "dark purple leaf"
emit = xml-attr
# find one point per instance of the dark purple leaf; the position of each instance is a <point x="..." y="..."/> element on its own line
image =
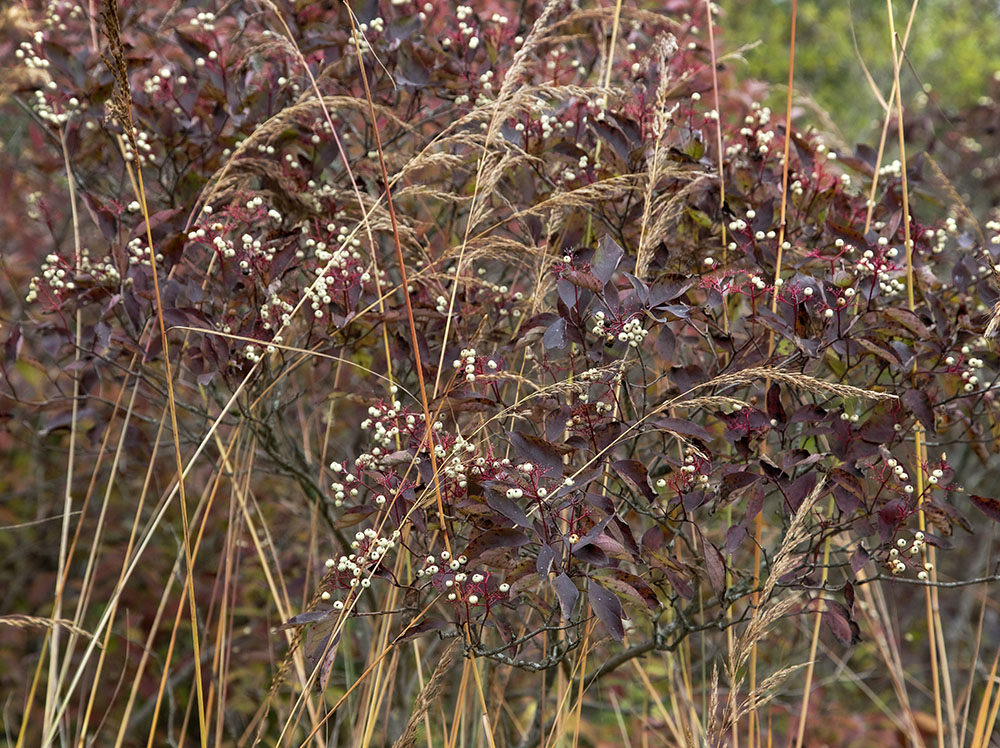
<point x="500" y="503"/>
<point x="634" y="473"/>
<point x="583" y="279"/>
<point x="987" y="505"/>
<point x="106" y="221"/>
<point x="889" y="518"/>
<point x="918" y="403"/>
<point x="734" y="483"/>
<point x="608" y="609"/>
<point x="679" y="583"/>
<point x="799" y="489"/>
<point x="631" y="586"/>
<point x="503" y="537"/>
<point x="715" y="565"/>
<point x="606" y="259"/>
<point x="838" y="619"/>
<point x="591" y="554"/>
<point x="538" y="451"/>
<point x="554" y="338"/>
<point x="12" y="346"/>
<point x="735" y="536"/>
<point x="567" y="593"/>
<point x="858" y="559"/>
<point x="546" y="558"/>
<point x="684" y="428"/>
<point x="848" y="491"/>
<point x="775" y="409"/>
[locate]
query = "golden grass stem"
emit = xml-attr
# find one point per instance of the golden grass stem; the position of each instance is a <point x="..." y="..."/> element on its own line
<point x="759" y="519"/>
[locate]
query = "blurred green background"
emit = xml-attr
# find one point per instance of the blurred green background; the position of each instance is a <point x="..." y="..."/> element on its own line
<point x="954" y="48"/>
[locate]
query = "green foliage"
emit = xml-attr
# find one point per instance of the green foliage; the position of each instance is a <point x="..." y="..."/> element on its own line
<point x="953" y="50"/>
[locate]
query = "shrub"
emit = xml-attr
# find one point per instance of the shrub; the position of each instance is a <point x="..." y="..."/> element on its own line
<point x="455" y="300"/>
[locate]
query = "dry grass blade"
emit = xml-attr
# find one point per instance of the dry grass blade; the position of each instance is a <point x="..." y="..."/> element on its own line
<point x="656" y="214"/>
<point x="764" y="616"/>
<point x="427" y="696"/>
<point x="18" y="621"/>
<point x="799" y="381"/>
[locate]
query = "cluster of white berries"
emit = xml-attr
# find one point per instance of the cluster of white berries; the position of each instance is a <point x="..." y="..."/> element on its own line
<point x="139" y="253"/>
<point x="599" y="322"/>
<point x="901" y="475"/>
<point x="380" y="416"/>
<point x="689" y="468"/>
<point x="551" y="124"/>
<point x="994" y="226"/>
<point x="970" y="376"/>
<point x="896" y="563"/>
<point x="27" y="53"/>
<point x="58" y="277"/>
<point x="277" y="307"/>
<point x="466" y="30"/>
<point x="47" y="111"/>
<point x="893" y="169"/>
<point x="467" y="363"/>
<point x="460" y="585"/>
<point x="433" y="566"/>
<point x="254" y="353"/>
<point x="633" y="332"/>
<point x="54" y="10"/>
<point x="154" y="84"/>
<point x="752" y="130"/>
<point x="338" y="267"/>
<point x="370" y="551"/>
<point x="340" y="490"/>
<point x="205" y="20"/>
<point x="882" y="268"/>
<point x="200" y="62"/>
<point x="146" y="154"/>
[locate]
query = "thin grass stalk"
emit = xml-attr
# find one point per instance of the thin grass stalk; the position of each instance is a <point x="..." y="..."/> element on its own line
<point x="979" y="640"/>
<point x="933" y="620"/>
<point x="987" y="716"/>
<point x="583" y="670"/>
<point x="887" y="106"/>
<point x="759" y="519"/>
<point x="333" y="710"/>
<point x="710" y="22"/>
<point x="54" y="680"/>
<point x="107" y="499"/>
<point x="121" y="106"/>
<point x="814" y="642"/>
<point x="205" y="504"/>
<point x="382" y="639"/>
